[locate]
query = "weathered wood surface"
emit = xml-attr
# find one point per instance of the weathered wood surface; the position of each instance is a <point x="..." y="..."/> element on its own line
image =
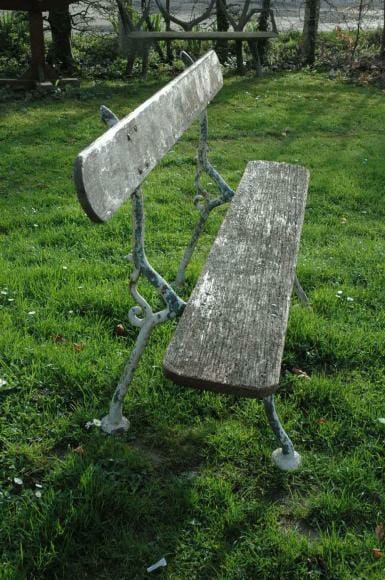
<point x="231" y="335"/>
<point x="201" y="35"/>
<point x="113" y="166"/>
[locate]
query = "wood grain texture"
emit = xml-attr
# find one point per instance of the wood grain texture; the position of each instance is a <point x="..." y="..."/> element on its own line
<point x="231" y="335"/>
<point x="112" y="167"/>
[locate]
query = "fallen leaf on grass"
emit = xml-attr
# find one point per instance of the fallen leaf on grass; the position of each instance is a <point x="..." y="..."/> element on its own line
<point x="321" y="421"/>
<point x="300" y="373"/>
<point x="78" y="346"/>
<point x="120" y="330"/>
<point x="380" y="532"/>
<point x="377" y="553"/>
<point x="58" y="338"/>
<point x="79" y="450"/>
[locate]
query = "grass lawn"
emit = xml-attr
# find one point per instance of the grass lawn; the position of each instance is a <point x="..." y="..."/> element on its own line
<point x="192" y="480"/>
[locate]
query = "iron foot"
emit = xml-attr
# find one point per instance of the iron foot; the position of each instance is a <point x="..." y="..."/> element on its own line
<point x="288" y="462"/>
<point x="114" y="428"/>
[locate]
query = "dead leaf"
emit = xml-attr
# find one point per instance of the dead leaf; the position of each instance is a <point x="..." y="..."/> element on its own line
<point x="58" y="338"/>
<point x="120" y="330"/>
<point x="78" y="346"/>
<point x="321" y="421"/>
<point x="300" y="373"/>
<point x="377" y="553"/>
<point x="380" y="532"/>
<point x="79" y="450"/>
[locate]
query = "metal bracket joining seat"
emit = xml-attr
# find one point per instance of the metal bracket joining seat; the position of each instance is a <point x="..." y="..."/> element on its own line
<point x="205" y="204"/>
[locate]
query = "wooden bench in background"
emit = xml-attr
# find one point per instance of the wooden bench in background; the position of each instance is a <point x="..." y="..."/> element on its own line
<point x="231" y="335"/>
<point x="139" y="40"/>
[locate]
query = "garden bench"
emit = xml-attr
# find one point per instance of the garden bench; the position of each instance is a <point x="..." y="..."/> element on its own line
<point x="231" y="335"/>
<point x="139" y="41"/>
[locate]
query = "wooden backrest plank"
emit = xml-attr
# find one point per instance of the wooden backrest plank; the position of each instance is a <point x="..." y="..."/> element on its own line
<point x="199" y="35"/>
<point x="113" y="166"/>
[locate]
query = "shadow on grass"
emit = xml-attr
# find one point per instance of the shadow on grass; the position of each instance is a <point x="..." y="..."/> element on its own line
<point x="113" y="505"/>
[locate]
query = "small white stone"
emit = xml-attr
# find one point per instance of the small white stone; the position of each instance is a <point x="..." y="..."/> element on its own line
<point x="93" y="423"/>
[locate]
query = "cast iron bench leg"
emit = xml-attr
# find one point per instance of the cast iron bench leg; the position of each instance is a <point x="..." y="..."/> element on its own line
<point x="285" y="457"/>
<point x="115" y="422"/>
<point x="141" y="316"/>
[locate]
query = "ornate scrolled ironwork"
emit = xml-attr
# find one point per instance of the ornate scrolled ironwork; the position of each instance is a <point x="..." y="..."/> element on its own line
<point x="141" y="315"/>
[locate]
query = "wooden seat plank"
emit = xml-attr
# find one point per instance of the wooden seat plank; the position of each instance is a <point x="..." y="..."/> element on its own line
<point x="231" y="335"/>
<point x="199" y="35"/>
<point x="112" y="167"/>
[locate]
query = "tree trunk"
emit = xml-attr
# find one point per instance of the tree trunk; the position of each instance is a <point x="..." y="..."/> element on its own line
<point x="310" y="29"/>
<point x="253" y="46"/>
<point x="222" y="46"/>
<point x="263" y="23"/>
<point x="128" y="48"/>
<point x="358" y="30"/>
<point x="239" y="55"/>
<point x="170" y="56"/>
<point x="382" y="49"/>
<point x="60" y="53"/>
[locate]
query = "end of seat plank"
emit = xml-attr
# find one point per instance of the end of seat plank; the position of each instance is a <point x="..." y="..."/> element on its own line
<point x="231" y="336"/>
<point x="205" y="385"/>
